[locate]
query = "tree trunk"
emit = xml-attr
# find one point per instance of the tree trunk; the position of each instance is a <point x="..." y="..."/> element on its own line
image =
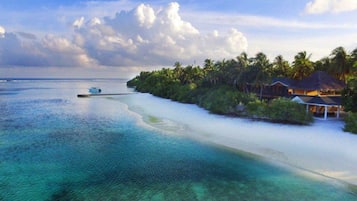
<point x="261" y="92"/>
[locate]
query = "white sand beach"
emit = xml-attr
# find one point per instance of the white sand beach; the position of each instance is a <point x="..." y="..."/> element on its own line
<point x="322" y="147"/>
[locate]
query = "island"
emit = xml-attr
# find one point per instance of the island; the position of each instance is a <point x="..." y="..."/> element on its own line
<point x="254" y="87"/>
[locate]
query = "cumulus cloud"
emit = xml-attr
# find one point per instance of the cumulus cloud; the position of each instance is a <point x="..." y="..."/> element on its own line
<point x="148" y="36"/>
<point x="332" y="6"/>
<point x="13" y="51"/>
<point x="143" y="36"/>
<point x="63" y="52"/>
<point x="23" y="49"/>
<point x="145" y="15"/>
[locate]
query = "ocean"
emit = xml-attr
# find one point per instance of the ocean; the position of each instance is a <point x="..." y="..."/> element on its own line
<point x="55" y="146"/>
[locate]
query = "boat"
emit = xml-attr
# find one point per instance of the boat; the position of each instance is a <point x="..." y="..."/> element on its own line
<point x="95" y="90"/>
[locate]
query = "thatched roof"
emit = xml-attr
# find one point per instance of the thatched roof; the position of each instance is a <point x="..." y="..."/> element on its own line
<point x="319" y="80"/>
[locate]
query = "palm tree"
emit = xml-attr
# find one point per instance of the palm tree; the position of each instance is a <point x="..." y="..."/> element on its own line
<point x="179" y="72"/>
<point x="242" y="64"/>
<point x="243" y="60"/>
<point x="353" y="56"/>
<point x="261" y="66"/>
<point x="220" y="70"/>
<point x="281" y="67"/>
<point x="323" y="64"/>
<point x="194" y="74"/>
<point x="341" y="65"/>
<point x="211" y="71"/>
<point x="230" y="71"/>
<point x="177" y="64"/>
<point x="208" y="65"/>
<point x="302" y="66"/>
<point x="353" y="62"/>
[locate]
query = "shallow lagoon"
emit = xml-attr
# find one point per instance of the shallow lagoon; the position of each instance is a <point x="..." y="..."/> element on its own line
<point x="55" y="146"/>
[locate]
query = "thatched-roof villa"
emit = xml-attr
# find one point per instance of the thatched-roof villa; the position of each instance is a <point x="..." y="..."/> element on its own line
<point x="320" y="92"/>
<point x="317" y="84"/>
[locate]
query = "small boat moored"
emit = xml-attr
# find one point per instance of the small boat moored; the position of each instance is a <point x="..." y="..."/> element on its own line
<point x="95" y="90"/>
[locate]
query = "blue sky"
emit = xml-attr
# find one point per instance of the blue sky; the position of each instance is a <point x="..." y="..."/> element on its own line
<point x="109" y="38"/>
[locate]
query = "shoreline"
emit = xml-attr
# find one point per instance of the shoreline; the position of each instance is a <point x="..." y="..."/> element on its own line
<point x="321" y="148"/>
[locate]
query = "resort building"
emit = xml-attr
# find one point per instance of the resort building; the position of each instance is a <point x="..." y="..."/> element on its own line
<point x="320" y="92"/>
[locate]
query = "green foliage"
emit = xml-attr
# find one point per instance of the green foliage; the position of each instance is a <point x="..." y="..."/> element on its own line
<point x="280" y="67"/>
<point x="349" y="96"/>
<point x="257" y="109"/>
<point x="286" y="111"/>
<point x="182" y="93"/>
<point x="223" y="86"/>
<point x="166" y="83"/>
<point x="223" y="100"/>
<point x="351" y="123"/>
<point x="302" y="66"/>
<point x="280" y="110"/>
<point x="187" y="85"/>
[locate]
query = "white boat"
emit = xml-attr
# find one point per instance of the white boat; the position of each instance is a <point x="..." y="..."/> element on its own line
<point x="95" y="90"/>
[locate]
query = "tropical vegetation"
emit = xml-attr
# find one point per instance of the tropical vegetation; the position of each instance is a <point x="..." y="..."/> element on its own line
<point x="225" y="86"/>
<point x="350" y="105"/>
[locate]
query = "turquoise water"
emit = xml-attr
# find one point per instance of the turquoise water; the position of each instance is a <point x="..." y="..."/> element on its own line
<point x="55" y="146"/>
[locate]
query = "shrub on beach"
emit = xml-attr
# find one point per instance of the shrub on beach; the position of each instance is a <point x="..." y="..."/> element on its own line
<point x="349" y="101"/>
<point x="351" y="123"/>
<point x="286" y="111"/>
<point x="280" y="110"/>
<point x="349" y="96"/>
<point x="223" y="100"/>
<point x="257" y="109"/>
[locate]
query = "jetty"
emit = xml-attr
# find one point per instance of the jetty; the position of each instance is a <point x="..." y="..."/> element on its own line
<point x="94" y="95"/>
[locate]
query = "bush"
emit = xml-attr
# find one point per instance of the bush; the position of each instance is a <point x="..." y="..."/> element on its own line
<point x="286" y="111"/>
<point x="349" y="96"/>
<point x="219" y="100"/>
<point x="280" y="110"/>
<point x="351" y="123"/>
<point x="223" y="100"/>
<point x="182" y="93"/>
<point x="257" y="109"/>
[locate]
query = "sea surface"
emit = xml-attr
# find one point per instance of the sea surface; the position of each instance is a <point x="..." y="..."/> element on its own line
<point x="55" y="146"/>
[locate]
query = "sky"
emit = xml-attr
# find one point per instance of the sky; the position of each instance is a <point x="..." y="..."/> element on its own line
<point x="120" y="38"/>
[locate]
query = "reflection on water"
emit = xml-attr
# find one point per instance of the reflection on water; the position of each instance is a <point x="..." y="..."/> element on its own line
<point x="54" y="146"/>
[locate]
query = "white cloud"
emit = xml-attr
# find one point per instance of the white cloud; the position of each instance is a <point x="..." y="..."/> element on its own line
<point x="63" y="52"/>
<point x="159" y="36"/>
<point x="23" y="49"/>
<point x="236" y="41"/>
<point x="78" y="23"/>
<point x="143" y="36"/>
<point x="14" y="51"/>
<point x="145" y="15"/>
<point x="149" y="36"/>
<point x="124" y="34"/>
<point x="2" y="32"/>
<point x="330" y="6"/>
<point x="171" y="18"/>
<point x="94" y="21"/>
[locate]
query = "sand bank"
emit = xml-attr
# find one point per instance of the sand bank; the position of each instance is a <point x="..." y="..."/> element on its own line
<point x="322" y="148"/>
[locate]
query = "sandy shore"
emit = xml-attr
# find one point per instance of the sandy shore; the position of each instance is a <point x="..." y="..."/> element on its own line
<point x="322" y="148"/>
